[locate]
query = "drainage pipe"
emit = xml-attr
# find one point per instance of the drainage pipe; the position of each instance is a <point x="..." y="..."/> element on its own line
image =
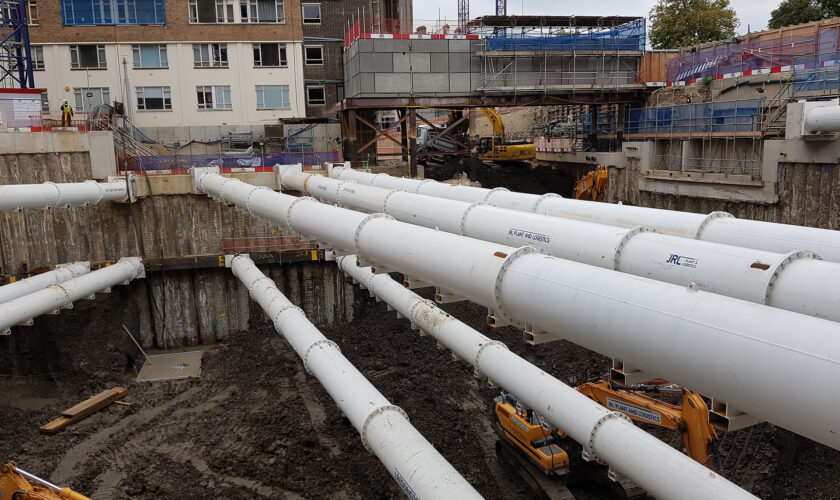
<point x="61" y="273"/>
<point x="61" y="195"/>
<point x="716" y="227"/>
<point x="52" y="299"/>
<point x="384" y="428"/>
<point x="606" y="436"/>
<point x="744" y="354"/>
<point x="797" y="281"/>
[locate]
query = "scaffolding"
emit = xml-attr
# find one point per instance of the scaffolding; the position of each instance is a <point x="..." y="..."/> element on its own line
<point x="15" y="52"/>
<point x="544" y="53"/>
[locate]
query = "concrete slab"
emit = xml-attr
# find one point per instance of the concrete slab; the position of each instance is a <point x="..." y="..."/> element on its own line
<point x="459" y="82"/>
<point x="440" y="63"/>
<point x="421" y="63"/>
<point x="392" y="83"/>
<point x="459" y="62"/>
<point x="371" y="62"/>
<point x="431" y="82"/>
<point x="171" y="366"/>
<point x="430" y="45"/>
<point x="459" y="45"/>
<point x="401" y="62"/>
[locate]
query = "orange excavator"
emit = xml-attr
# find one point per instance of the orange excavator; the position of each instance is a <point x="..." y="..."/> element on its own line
<point x="593" y="185"/>
<point x="551" y="462"/>
<point x="17" y="484"/>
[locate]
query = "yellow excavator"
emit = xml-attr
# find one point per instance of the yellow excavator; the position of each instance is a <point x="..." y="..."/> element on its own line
<point x="497" y="149"/>
<point x="17" y="484"/>
<point x="551" y="463"/>
<point x="593" y="185"/>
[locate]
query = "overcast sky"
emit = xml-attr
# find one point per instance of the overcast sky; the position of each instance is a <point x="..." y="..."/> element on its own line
<point x="754" y="13"/>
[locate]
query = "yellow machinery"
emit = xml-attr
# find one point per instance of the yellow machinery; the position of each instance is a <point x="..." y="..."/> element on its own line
<point x="17" y="484"/>
<point x="497" y="148"/>
<point x="533" y="445"/>
<point x="592" y="185"/>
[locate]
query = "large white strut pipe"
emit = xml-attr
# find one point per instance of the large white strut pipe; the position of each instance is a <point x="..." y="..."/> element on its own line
<point x="717" y="227"/>
<point x="61" y="195"/>
<point x="797" y="281"/>
<point x="746" y="355"/>
<point x="822" y="119"/>
<point x="61" y="273"/>
<point x="384" y="428"/>
<point x="51" y="300"/>
<point x="606" y="436"/>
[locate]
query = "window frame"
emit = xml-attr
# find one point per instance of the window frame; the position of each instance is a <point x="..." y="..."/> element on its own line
<point x="204" y="89"/>
<point x="282" y="49"/>
<point x="250" y="9"/>
<point x="104" y="92"/>
<point x="316" y="87"/>
<point x="226" y="7"/>
<point x="142" y="107"/>
<point x="35" y="66"/>
<point x="212" y="53"/>
<point x="306" y="57"/>
<point x="101" y="57"/>
<point x="32" y="6"/>
<point x="303" y="13"/>
<point x="113" y="13"/>
<point x="137" y="54"/>
<point x="261" y="88"/>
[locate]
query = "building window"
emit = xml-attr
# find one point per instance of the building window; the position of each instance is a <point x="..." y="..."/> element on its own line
<point x="270" y="55"/>
<point x="37" y="57"/>
<point x="315" y="96"/>
<point x="32" y="13"/>
<point x="87" y="57"/>
<point x="89" y="98"/>
<point x="210" y="55"/>
<point x="110" y="12"/>
<point x="262" y="11"/>
<point x="313" y="54"/>
<point x="150" y="56"/>
<point x="211" y="11"/>
<point x="311" y="13"/>
<point x="273" y="97"/>
<point x="153" y="98"/>
<point x="213" y="97"/>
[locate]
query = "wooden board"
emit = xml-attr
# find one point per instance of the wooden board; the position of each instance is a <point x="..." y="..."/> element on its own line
<point x="84" y="409"/>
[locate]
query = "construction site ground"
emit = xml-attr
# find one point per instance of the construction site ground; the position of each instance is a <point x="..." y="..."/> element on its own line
<point x="257" y="425"/>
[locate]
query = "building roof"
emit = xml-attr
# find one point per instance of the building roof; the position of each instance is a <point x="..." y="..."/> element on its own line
<point x="586" y="21"/>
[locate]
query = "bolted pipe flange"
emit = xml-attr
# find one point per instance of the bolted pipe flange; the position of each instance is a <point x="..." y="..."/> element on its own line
<point x="477" y="359"/>
<point x="498" y="308"/>
<point x="222" y="189"/>
<point x="248" y="198"/>
<point x="305" y="188"/>
<point x="780" y="266"/>
<point x="420" y="184"/>
<point x="201" y="182"/>
<point x="362" y="225"/>
<point x="374" y="413"/>
<point x="65" y="294"/>
<point x="268" y="282"/>
<point x="284" y="309"/>
<point x="373" y="179"/>
<point x="338" y="189"/>
<point x="313" y="346"/>
<point x="709" y="218"/>
<point x="99" y="189"/>
<point x="288" y="217"/>
<point x="588" y="453"/>
<point x="541" y="199"/>
<point x="57" y="201"/>
<point x="388" y="198"/>
<point x="494" y="190"/>
<point x="624" y="239"/>
<point x="463" y="225"/>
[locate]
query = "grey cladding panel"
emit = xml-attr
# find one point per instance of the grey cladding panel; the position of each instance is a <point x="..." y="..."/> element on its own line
<point x="440" y="63"/>
<point x="402" y="62"/>
<point x="459" y="62"/>
<point x="459" y="45"/>
<point x="371" y="62"/>
<point x="459" y="82"/>
<point x="431" y="82"/>
<point x="367" y="83"/>
<point x="392" y="83"/>
<point x="430" y="45"/>
<point x="365" y="45"/>
<point x="421" y="63"/>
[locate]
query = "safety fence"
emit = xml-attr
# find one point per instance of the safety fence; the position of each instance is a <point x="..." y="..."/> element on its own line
<point x="629" y="36"/>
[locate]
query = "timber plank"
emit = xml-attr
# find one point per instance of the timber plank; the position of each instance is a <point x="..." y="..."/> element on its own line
<point x="83" y="409"/>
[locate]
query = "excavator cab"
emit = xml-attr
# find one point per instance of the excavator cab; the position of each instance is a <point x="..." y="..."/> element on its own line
<point x="485" y="145"/>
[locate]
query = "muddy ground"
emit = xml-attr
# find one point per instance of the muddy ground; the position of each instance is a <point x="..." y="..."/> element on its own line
<point x="256" y="425"/>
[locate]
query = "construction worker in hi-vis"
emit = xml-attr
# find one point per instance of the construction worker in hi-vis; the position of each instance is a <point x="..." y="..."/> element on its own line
<point x="66" y="113"/>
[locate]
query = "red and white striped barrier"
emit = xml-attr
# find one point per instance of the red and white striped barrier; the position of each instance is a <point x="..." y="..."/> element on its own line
<point x="407" y="36"/>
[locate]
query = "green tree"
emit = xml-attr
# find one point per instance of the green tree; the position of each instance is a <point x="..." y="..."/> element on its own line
<point x="802" y="11"/>
<point x="679" y="23"/>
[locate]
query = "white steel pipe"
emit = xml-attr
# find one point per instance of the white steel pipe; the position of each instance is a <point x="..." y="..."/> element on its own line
<point x="61" y="195"/>
<point x="745" y="354"/>
<point x="717" y="227"/>
<point x="384" y="428"/>
<point x="823" y="119"/>
<point x="51" y="300"/>
<point x="658" y="468"/>
<point x="61" y="273"/>
<point x="796" y="281"/>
